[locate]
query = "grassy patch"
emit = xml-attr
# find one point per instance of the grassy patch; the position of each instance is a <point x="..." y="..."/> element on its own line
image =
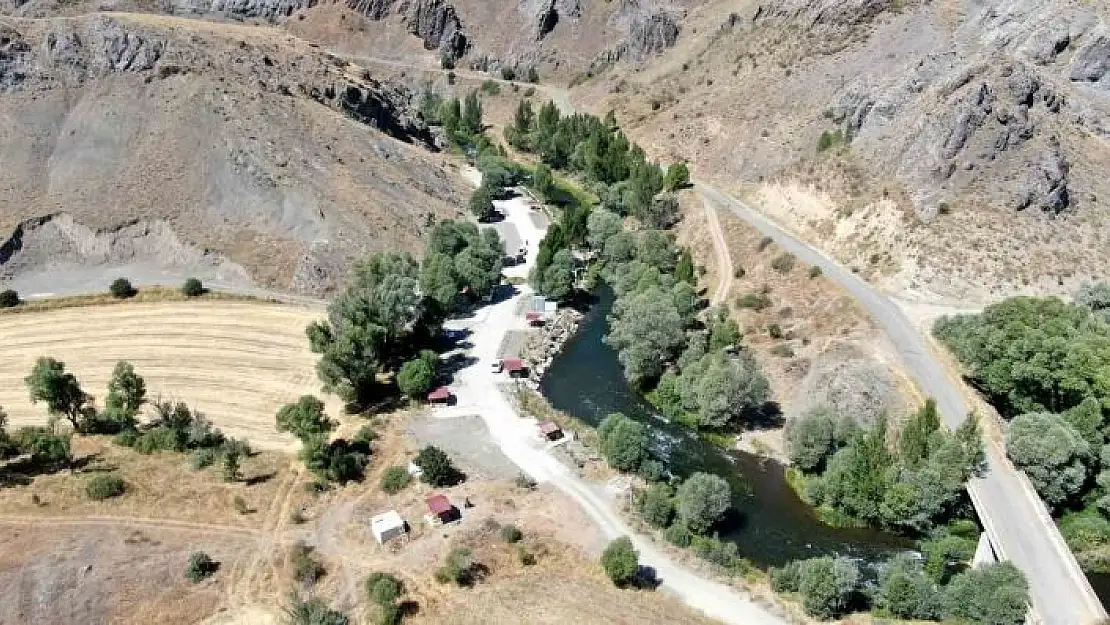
<point x="723" y="440"/>
<point x="146" y="294"/>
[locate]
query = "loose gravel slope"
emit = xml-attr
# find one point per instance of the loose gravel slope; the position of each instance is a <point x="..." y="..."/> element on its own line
<point x="235" y="362"/>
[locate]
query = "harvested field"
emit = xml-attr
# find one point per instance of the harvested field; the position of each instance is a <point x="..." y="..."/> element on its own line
<point x="237" y="362"/>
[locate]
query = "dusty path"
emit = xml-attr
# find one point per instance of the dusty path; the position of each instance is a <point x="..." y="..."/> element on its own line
<point x="237" y="362"/>
<point x="724" y="258"/>
<point x="126" y="521"/>
<point x="479" y="392"/>
<point x="1017" y="521"/>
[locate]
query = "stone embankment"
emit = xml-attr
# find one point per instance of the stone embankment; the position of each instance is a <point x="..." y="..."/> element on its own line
<point x="543" y="345"/>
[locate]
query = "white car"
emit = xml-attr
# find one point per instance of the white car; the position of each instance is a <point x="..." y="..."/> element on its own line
<point x="497" y="366"/>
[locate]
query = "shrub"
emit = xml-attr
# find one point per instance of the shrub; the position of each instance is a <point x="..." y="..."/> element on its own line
<point x="624" y="442"/>
<point x="306" y="568"/>
<point x="458" y="568"/>
<point x="829" y="140"/>
<point x="508" y="73"/>
<point x="200" y="566"/>
<point x="416" y="377"/>
<point x="436" y="467"/>
<point x="203" y="458"/>
<point x="764" y="242"/>
<point x="995" y="594"/>
<point x="527" y="558"/>
<point x="389" y="614"/>
<point x="313" y="612"/>
<point x="240" y="505"/>
<point x="383" y="588"/>
<point x="105" y="486"/>
<point x="702" y="501"/>
<point x="121" y="288"/>
<point x="395" y="479"/>
<point x="754" y="301"/>
<point x="193" y="287"/>
<point x="447" y="61"/>
<point x="490" y="87"/>
<point x="525" y="482"/>
<point x="532" y="76"/>
<point x="739" y="272"/>
<point x="511" y="534"/>
<point x="9" y="298"/>
<point x="679" y="535"/>
<point x="620" y="561"/>
<point x="657" y="505"/>
<point x="231" y="466"/>
<point x="783" y="351"/>
<point x="815" y="271"/>
<point x="785" y="578"/>
<point x="774" y="331"/>
<point x="827" y="585"/>
<point x="783" y="263"/>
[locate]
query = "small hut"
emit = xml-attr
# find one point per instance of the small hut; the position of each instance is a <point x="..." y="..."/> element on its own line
<point x="551" y="430"/>
<point x="387" y="526"/>
<point x="441" y="395"/>
<point x="515" y="367"/>
<point x="441" y="510"/>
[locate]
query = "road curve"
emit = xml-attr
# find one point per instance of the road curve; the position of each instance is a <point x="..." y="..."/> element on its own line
<point x="1016" y="520"/>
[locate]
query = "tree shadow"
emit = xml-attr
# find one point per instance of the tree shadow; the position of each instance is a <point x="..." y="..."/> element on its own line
<point x="409" y="608"/>
<point x="645" y="578"/>
<point x="768" y="416"/>
<point x="259" y="479"/>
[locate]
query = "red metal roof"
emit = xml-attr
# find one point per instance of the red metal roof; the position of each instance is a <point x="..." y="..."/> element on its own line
<point x="549" y="427"/>
<point x="513" y="364"/>
<point x="439" y="504"/>
<point x="440" y="393"/>
<point x="532" y="316"/>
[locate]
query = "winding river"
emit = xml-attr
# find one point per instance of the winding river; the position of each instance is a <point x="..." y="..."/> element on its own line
<point x="772" y="525"/>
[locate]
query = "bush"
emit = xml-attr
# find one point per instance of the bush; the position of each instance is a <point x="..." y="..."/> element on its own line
<point x="395" y="479"/>
<point x="240" y="505"/>
<point x="389" y="614"/>
<point x="786" y="578"/>
<point x="624" y="442"/>
<point x="774" y="331"/>
<point x="815" y="271"/>
<point x="104" y="486"/>
<point x="679" y="535"/>
<point x="827" y="585"/>
<point x="383" y="588"/>
<point x="313" y="612"/>
<point x="996" y="594"/>
<point x="416" y="377"/>
<point x="829" y="140"/>
<point x="906" y="592"/>
<point x="527" y="558"/>
<point x="508" y="73"/>
<point x="200" y="566"/>
<point x="306" y="568"/>
<point x="121" y="288"/>
<point x="203" y="458"/>
<point x="532" y="76"/>
<point x="754" y="301"/>
<point x="525" y="482"/>
<point x="458" y="568"/>
<point x="9" y="298"/>
<point x="783" y="263"/>
<point x="193" y="287"/>
<point x="511" y="534"/>
<point x="620" y="561"/>
<point x="436" y="468"/>
<point x="782" y="351"/>
<point x="657" y="505"/>
<point x="490" y="87"/>
<point x="764" y="242"/>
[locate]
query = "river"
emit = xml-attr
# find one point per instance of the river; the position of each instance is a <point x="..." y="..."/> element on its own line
<point x="771" y="525"/>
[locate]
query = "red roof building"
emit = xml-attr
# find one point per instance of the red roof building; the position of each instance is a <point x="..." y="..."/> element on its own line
<point x="442" y="508"/>
<point x="441" y="394"/>
<point x="534" y="318"/>
<point x="514" y="366"/>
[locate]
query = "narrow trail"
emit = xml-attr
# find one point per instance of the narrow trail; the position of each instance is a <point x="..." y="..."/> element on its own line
<point x="724" y="258"/>
<point x="127" y="521"/>
<point x="243" y="580"/>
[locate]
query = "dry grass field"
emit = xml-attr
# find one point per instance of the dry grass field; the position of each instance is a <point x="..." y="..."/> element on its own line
<point x="237" y="362"/>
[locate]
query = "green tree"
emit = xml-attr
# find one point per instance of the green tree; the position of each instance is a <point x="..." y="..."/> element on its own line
<point x="104" y="486"/>
<point x="557" y="281"/>
<point x="1087" y="419"/>
<point x="379" y="319"/>
<point x="946" y="555"/>
<point x="624" y="442"/>
<point x="304" y="418"/>
<point x="1051" y="453"/>
<point x="9" y="298"/>
<point x="313" y="612"/>
<point x="50" y="383"/>
<point x="621" y="561"/>
<point x="471" y="122"/>
<point x="811" y="438"/>
<point x="395" y="479"/>
<point x="481" y="203"/>
<point x="904" y="591"/>
<point x="601" y="225"/>
<point x="720" y="388"/>
<point x="677" y="177"/>
<point x="684" y="269"/>
<point x="543" y="182"/>
<point x="201" y="565"/>
<point x="192" y="287"/>
<point x="827" y="585"/>
<point x="121" y="288"/>
<point x="45" y="447"/>
<point x="913" y="442"/>
<point x="417" y="375"/>
<point x="383" y="588"/>
<point x="450" y="115"/>
<point x="231" y="470"/>
<point x="646" y="330"/>
<point x="661" y="212"/>
<point x="996" y="594"/>
<point x="858" y="475"/>
<point x="126" y="392"/>
<point x="657" y="504"/>
<point x="436" y="467"/>
<point x="702" y="500"/>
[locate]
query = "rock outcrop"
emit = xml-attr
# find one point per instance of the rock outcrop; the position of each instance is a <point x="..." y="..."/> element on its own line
<point x="649" y="34"/>
<point x="435" y="22"/>
<point x="1092" y="63"/>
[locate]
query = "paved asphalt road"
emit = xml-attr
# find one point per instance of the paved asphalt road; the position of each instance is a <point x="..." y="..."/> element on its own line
<point x="1016" y="519"/>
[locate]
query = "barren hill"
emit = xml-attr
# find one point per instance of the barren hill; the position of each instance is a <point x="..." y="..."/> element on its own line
<point x="128" y="138"/>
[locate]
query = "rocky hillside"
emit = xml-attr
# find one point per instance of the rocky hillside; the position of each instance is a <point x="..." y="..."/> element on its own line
<point x="243" y="146"/>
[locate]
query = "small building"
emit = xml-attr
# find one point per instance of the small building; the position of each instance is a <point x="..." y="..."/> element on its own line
<point x="441" y="395"/>
<point x="551" y="430"/>
<point x="515" y="367"/>
<point x="441" y="510"/>
<point x="534" y="318"/>
<point x="387" y="526"/>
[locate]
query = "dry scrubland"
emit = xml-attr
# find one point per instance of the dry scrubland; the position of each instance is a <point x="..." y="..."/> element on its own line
<point x="236" y="362"/>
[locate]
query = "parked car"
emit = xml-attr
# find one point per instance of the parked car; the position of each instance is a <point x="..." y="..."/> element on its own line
<point x="497" y="366"/>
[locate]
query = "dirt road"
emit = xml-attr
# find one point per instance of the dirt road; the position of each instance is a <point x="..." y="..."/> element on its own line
<point x="237" y="362"/>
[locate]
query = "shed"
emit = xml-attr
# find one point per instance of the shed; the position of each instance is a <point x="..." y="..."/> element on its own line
<point x="387" y="526"/>
<point x="551" y="430"/>
<point x="442" y="510"/>
<point x="441" y="395"/>
<point x="534" y="318"/>
<point x="515" y="367"/>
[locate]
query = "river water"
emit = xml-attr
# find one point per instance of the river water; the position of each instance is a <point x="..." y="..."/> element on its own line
<point x="772" y="525"/>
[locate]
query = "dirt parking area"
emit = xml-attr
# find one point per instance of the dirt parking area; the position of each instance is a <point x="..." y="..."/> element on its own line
<point x="465" y="439"/>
